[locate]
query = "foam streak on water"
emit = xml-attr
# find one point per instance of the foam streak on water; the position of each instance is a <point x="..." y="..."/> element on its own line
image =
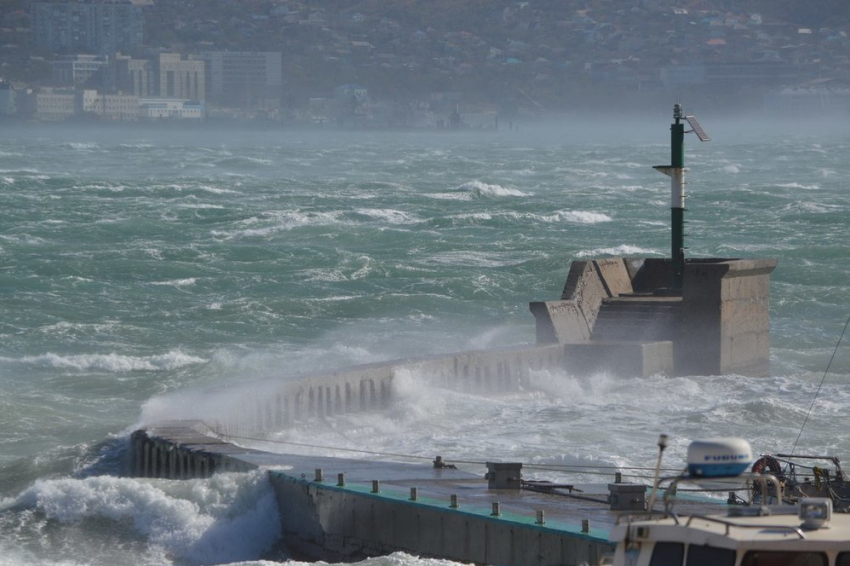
<point x="144" y="270"/>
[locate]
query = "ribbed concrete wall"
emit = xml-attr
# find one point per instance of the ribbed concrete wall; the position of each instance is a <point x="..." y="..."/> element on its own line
<point x="370" y="387"/>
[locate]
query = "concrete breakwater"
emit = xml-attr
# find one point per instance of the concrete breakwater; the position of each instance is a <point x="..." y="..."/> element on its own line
<point x="613" y="316"/>
<point x="369" y="387"/>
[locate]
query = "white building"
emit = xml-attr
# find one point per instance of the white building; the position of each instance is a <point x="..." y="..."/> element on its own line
<point x="170" y="109"/>
<point x="56" y="105"/>
<point x="121" y="107"/>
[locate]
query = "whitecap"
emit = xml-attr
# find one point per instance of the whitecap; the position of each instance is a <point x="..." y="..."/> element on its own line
<point x="449" y="196"/>
<point x="621" y="250"/>
<point x="481" y="189"/>
<point x="577" y="217"/>
<point x="279" y="222"/>
<point x="388" y="215"/>
<point x="798" y="186"/>
<point x="116" y="363"/>
<point x="177" y="282"/>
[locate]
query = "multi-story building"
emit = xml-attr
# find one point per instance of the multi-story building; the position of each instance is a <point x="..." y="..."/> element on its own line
<point x="55" y="105"/>
<point x="246" y="79"/>
<point x="135" y="76"/>
<point x="179" y="78"/>
<point x="103" y="27"/>
<point x="74" y="70"/>
<point x="170" y="108"/>
<point x="121" y="107"/>
<point x="8" y="106"/>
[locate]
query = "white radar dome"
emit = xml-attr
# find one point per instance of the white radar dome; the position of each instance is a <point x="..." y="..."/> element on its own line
<point x="719" y="457"/>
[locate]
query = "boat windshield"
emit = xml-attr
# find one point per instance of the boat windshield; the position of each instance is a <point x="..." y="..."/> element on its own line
<point x="672" y="553"/>
<point x="784" y="558"/>
<point x="710" y="556"/>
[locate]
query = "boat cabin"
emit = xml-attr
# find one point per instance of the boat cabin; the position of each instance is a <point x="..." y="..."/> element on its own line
<point x="782" y="535"/>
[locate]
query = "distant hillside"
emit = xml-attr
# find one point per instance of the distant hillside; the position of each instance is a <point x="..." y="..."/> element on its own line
<point x="817" y="14"/>
<point x="467" y="13"/>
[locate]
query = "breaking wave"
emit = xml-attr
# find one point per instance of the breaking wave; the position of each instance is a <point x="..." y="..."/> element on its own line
<point x="116" y="363"/>
<point x="480" y="189"/>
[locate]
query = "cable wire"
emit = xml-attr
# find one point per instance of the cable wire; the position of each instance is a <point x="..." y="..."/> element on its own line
<point x="577" y="468"/>
<point x="829" y="365"/>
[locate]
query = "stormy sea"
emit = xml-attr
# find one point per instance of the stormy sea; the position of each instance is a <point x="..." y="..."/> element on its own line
<point x="144" y="268"/>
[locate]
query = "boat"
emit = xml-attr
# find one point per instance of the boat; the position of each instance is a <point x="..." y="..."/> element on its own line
<point x="805" y="476"/>
<point x="797" y="523"/>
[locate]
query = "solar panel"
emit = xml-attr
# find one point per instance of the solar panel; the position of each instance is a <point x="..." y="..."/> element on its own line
<point x="692" y="120"/>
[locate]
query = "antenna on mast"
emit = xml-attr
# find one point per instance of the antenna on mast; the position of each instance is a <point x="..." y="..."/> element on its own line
<point x="676" y="172"/>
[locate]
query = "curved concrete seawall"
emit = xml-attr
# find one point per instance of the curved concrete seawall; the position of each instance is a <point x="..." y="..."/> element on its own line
<point x="370" y="387"/>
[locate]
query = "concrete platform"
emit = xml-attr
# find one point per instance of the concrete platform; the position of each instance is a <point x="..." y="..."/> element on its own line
<point x="325" y="519"/>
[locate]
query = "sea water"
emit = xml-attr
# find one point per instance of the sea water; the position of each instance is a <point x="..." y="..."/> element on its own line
<point x="144" y="269"/>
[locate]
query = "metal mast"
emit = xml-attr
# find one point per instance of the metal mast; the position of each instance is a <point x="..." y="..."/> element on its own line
<point x="676" y="172"/>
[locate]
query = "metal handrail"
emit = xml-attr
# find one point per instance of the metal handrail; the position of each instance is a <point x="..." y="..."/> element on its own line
<point x="763" y="479"/>
<point x="728" y="524"/>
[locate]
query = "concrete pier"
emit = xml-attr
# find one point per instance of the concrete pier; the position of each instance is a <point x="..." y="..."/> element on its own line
<point x="613" y="316"/>
<point x="323" y="520"/>
<point x="337" y="509"/>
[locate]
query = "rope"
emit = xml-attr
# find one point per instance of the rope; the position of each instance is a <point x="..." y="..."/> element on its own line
<point x="829" y="365"/>
<point x="577" y="468"/>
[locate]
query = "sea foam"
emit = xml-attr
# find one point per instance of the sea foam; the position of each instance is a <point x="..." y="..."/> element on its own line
<point x="481" y="189"/>
<point x="117" y="363"/>
<point x="223" y="519"/>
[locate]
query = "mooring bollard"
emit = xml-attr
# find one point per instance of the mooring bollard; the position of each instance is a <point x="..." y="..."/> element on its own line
<point x="497" y="510"/>
<point x="453" y="500"/>
<point x="319" y="475"/>
<point x="340" y="480"/>
<point x="414" y="494"/>
<point x="541" y="517"/>
<point x="376" y="486"/>
<point x="585" y="526"/>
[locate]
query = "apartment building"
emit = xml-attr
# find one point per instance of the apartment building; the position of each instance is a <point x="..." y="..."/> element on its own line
<point x="181" y="78"/>
<point x="247" y="79"/>
<point x="103" y="27"/>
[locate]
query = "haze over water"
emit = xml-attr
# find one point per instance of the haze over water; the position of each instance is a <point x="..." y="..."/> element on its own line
<point x="143" y="269"/>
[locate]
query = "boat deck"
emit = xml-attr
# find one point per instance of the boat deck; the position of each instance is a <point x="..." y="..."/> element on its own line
<point x="563" y="510"/>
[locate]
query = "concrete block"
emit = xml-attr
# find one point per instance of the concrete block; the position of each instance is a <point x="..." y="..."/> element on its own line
<point x="559" y="322"/>
<point x="614" y="275"/>
<point x="504" y="475"/>
<point x="619" y="358"/>
<point x="627" y="496"/>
